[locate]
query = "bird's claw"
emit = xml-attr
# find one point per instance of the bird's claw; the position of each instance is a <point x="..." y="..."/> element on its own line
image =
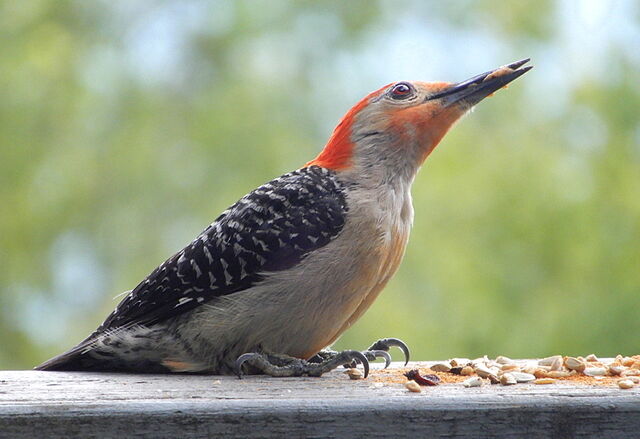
<point x="358" y="357"/>
<point x="242" y="359"/>
<point x="379" y="354"/>
<point x="385" y="344"/>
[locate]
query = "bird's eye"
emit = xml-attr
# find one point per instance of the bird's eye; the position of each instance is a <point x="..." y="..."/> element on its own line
<point x="401" y="91"/>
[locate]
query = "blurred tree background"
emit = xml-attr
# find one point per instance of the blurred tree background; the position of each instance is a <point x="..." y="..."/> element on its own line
<point x="127" y="127"/>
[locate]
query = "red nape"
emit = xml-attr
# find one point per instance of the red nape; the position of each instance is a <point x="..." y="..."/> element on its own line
<point x="337" y="153"/>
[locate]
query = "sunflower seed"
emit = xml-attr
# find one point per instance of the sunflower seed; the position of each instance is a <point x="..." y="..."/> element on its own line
<point x="412" y="386"/>
<point x="522" y="377"/>
<point x="354" y="374"/>
<point x="558" y="374"/>
<point x="530" y="369"/>
<point x="510" y="367"/>
<point x="484" y="371"/>
<point x="615" y="370"/>
<point x="473" y="382"/>
<point x="573" y="363"/>
<point x="544" y="381"/>
<point x="501" y="359"/>
<point x="541" y="373"/>
<point x="548" y="361"/>
<point x="627" y="361"/>
<point x="507" y="379"/>
<point x="557" y="363"/>
<point x="625" y="384"/>
<point x="466" y="371"/>
<point x="595" y="371"/>
<point x="441" y="367"/>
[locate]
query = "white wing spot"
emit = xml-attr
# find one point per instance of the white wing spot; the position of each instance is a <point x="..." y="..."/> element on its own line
<point x="207" y="253"/>
<point x="183" y="300"/>
<point x="196" y="268"/>
<point x="227" y="277"/>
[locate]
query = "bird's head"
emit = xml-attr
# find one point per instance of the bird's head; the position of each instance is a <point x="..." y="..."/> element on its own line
<point x="396" y="127"/>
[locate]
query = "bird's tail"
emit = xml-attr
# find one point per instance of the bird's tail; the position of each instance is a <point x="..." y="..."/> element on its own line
<point x="66" y="362"/>
<point x="88" y="358"/>
<point x="76" y="358"/>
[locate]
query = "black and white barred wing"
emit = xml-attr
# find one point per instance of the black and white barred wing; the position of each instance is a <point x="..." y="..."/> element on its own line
<point x="270" y="229"/>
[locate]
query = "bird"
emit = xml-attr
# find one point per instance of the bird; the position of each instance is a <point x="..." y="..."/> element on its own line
<point x="273" y="282"/>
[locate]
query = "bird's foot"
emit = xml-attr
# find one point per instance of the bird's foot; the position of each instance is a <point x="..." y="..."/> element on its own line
<point x="285" y="366"/>
<point x="380" y="349"/>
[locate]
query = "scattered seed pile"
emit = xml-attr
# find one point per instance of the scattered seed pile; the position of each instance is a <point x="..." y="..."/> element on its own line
<point x="620" y="371"/>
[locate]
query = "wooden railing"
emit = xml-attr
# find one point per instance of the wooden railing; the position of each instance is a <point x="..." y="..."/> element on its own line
<point x="71" y="404"/>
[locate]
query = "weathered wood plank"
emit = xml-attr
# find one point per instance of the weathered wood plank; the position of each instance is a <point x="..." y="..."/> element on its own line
<point x="64" y="404"/>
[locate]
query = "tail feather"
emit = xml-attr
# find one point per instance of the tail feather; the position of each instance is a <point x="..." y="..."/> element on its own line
<point x="64" y="362"/>
<point x="74" y="359"/>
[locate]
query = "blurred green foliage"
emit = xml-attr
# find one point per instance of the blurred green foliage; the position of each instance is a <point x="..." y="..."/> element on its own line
<point x="126" y="127"/>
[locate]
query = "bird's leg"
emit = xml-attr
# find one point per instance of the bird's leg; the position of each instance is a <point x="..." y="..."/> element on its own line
<point x="283" y="366"/>
<point x="274" y="365"/>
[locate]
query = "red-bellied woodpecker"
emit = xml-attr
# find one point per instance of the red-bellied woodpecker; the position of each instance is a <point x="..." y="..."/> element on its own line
<point x="283" y="272"/>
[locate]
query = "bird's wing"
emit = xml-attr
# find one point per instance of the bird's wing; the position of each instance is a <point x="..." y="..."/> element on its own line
<point x="270" y="229"/>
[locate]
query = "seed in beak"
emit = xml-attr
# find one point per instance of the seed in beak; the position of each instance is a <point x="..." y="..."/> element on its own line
<point x="499" y="72"/>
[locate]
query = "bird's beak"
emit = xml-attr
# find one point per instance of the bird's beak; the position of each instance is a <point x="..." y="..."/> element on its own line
<point x="473" y="90"/>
